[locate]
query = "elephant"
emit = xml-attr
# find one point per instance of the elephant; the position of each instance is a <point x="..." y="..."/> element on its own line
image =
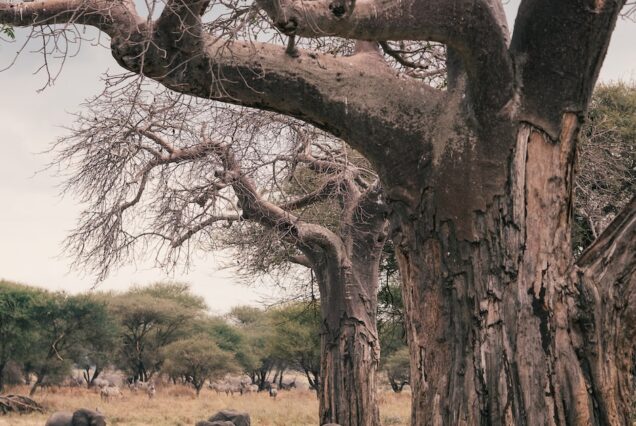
<point x="215" y="423"/>
<point x="81" y="417"/>
<point x="235" y="417"/>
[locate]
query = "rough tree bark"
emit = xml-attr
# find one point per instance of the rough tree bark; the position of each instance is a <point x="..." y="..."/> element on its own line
<point x="350" y="345"/>
<point x="346" y="264"/>
<point x="503" y="326"/>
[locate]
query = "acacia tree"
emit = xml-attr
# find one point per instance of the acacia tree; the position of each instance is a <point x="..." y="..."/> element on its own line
<point x="504" y="326"/>
<point x="197" y="359"/>
<point x="155" y="173"/>
<point x="149" y="318"/>
<point x="16" y="323"/>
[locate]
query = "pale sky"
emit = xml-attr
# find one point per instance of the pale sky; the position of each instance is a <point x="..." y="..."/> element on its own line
<point x="34" y="220"/>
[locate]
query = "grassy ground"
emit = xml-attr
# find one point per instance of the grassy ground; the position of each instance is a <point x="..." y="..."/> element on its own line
<point x="177" y="406"/>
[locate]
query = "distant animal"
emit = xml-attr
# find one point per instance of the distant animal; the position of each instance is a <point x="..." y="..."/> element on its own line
<point x="151" y="391"/>
<point x="109" y="392"/>
<point x="135" y="386"/>
<point x="228" y="388"/>
<point x="273" y="392"/>
<point x="81" y="417"/>
<point x="74" y="382"/>
<point x="288" y="386"/>
<point x="248" y="388"/>
<point x="101" y="383"/>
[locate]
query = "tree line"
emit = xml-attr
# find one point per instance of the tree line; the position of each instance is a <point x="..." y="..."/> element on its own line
<point x="160" y="329"/>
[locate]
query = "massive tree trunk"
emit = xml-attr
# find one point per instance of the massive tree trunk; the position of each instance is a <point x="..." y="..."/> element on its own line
<point x="350" y="346"/>
<point x="503" y="326"/>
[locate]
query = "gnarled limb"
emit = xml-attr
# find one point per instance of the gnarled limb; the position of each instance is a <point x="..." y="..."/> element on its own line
<point x="475" y="29"/>
<point x="256" y="208"/>
<point x="340" y="95"/>
<point x="559" y="47"/>
<point x="606" y="315"/>
<point x="112" y="17"/>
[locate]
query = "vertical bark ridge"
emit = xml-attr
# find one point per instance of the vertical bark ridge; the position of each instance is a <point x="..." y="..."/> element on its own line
<point x="350" y="347"/>
<point x="492" y="314"/>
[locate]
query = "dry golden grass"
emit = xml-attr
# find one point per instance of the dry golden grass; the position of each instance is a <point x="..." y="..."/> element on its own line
<point x="176" y="406"/>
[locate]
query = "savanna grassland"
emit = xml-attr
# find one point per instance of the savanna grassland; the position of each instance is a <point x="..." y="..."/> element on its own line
<point x="177" y="406"/>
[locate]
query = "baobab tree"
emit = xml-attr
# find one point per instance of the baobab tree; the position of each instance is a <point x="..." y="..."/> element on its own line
<point x="504" y="326"/>
<point x="155" y="176"/>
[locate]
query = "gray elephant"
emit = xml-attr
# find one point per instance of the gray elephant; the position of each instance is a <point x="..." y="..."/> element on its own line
<point x="223" y="417"/>
<point x="81" y="417"/>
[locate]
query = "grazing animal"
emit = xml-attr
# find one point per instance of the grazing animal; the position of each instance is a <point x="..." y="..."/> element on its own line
<point x="248" y="388"/>
<point x="81" y="417"/>
<point x="288" y="386"/>
<point x="151" y="391"/>
<point x="101" y="383"/>
<point x="109" y="392"/>
<point x="273" y="392"/>
<point x="215" y="387"/>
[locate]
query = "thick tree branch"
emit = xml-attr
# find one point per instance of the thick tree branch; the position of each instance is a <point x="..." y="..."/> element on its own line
<point x="558" y="48"/>
<point x="606" y="311"/>
<point x="613" y="254"/>
<point x="301" y="260"/>
<point x="477" y="30"/>
<point x="369" y="106"/>
<point x="609" y="265"/>
<point x="338" y="95"/>
<point x="112" y="17"/>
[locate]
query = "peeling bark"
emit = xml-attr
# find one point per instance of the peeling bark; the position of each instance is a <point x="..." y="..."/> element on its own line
<point x="503" y="329"/>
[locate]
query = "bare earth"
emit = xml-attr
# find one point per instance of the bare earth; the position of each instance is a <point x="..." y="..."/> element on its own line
<point x="177" y="406"/>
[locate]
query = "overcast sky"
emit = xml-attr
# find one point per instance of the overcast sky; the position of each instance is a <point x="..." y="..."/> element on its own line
<point x="34" y="220"/>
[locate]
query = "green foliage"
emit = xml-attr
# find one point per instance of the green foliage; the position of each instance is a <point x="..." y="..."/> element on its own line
<point x="197" y="359"/>
<point x="296" y="337"/>
<point x="149" y="319"/>
<point x="63" y="325"/>
<point x="397" y="367"/>
<point x="246" y="316"/>
<point x="96" y="352"/>
<point x="179" y="293"/>
<point x="254" y="353"/>
<point x="7" y="30"/>
<point x="16" y="323"/>
<point x="391" y="326"/>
